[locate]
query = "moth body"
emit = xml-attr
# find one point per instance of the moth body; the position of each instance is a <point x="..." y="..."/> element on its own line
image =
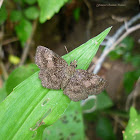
<point x="55" y="73"/>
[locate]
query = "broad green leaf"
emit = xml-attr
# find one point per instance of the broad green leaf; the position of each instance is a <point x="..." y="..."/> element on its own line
<point x="30" y="108"/>
<point x="30" y="2"/>
<point x="132" y="131"/>
<point x="49" y="7"/>
<point x="101" y="102"/>
<point x="129" y="80"/>
<point x="23" y="30"/>
<point x="3" y="14"/>
<point x="104" y="129"/>
<point x="32" y="12"/>
<point x="69" y="126"/>
<point x="15" y="15"/>
<point x="18" y="75"/>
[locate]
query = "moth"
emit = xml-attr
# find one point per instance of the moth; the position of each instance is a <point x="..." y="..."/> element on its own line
<point x="55" y="73"/>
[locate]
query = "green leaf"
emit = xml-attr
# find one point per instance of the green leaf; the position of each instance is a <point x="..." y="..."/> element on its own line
<point x="132" y="131"/>
<point x="3" y="14"/>
<point x="127" y="57"/>
<point x="15" y="16"/>
<point x="101" y="102"/>
<point x="48" y="8"/>
<point x="3" y="93"/>
<point x="69" y="126"/>
<point x="104" y="129"/>
<point x="85" y="53"/>
<point x="30" y="2"/>
<point x="135" y="60"/>
<point x="23" y="30"/>
<point x="123" y="49"/>
<point x="129" y="80"/>
<point x="30" y="107"/>
<point x="18" y="75"/>
<point x="116" y="54"/>
<point x="32" y="12"/>
<point x="128" y="43"/>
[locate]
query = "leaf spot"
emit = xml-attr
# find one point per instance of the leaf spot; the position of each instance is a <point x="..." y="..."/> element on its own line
<point x="45" y="102"/>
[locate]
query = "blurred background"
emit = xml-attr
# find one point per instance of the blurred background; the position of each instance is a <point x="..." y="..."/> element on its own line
<point x="25" y="24"/>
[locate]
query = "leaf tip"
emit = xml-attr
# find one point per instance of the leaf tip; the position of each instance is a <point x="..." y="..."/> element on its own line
<point x="109" y="28"/>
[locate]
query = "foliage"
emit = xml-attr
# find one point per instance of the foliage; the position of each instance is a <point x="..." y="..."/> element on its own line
<point x="30" y="2"/>
<point x="104" y="129"/>
<point x="23" y="18"/>
<point x="16" y="77"/>
<point x="132" y="131"/>
<point x="123" y="50"/>
<point x="48" y="8"/>
<point x="15" y="16"/>
<point x="3" y="14"/>
<point x="32" y="13"/>
<point x="70" y="126"/>
<point x="3" y="93"/>
<point x="31" y="105"/>
<point x="126" y="52"/>
<point x="101" y="102"/>
<point x="135" y="60"/>
<point x="19" y="75"/>
<point x="129" y="80"/>
<point x="23" y="30"/>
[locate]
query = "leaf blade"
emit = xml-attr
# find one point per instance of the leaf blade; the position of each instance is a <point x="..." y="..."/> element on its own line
<point x="25" y="104"/>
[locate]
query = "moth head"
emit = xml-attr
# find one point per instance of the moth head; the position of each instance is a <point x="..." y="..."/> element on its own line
<point x="73" y="63"/>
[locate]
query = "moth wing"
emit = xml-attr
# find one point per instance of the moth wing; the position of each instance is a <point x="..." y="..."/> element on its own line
<point x="83" y="84"/>
<point x="51" y="67"/>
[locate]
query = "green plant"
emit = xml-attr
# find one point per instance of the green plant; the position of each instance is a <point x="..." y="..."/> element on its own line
<point x="27" y="12"/>
<point x="102" y="105"/>
<point x="3" y="14"/>
<point x="49" y="7"/>
<point x="104" y="129"/>
<point x="30" y="108"/>
<point x="132" y="131"/>
<point x="70" y="125"/>
<point x="125" y="51"/>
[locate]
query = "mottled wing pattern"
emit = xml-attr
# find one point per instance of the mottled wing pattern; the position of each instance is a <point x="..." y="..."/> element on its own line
<point x="51" y="67"/>
<point x="83" y="84"/>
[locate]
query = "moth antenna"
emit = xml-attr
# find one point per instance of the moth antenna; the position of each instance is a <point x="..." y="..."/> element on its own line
<point x="66" y="49"/>
<point x="67" y="52"/>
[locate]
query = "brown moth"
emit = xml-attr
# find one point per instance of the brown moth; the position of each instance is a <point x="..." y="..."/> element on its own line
<point x="55" y="73"/>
